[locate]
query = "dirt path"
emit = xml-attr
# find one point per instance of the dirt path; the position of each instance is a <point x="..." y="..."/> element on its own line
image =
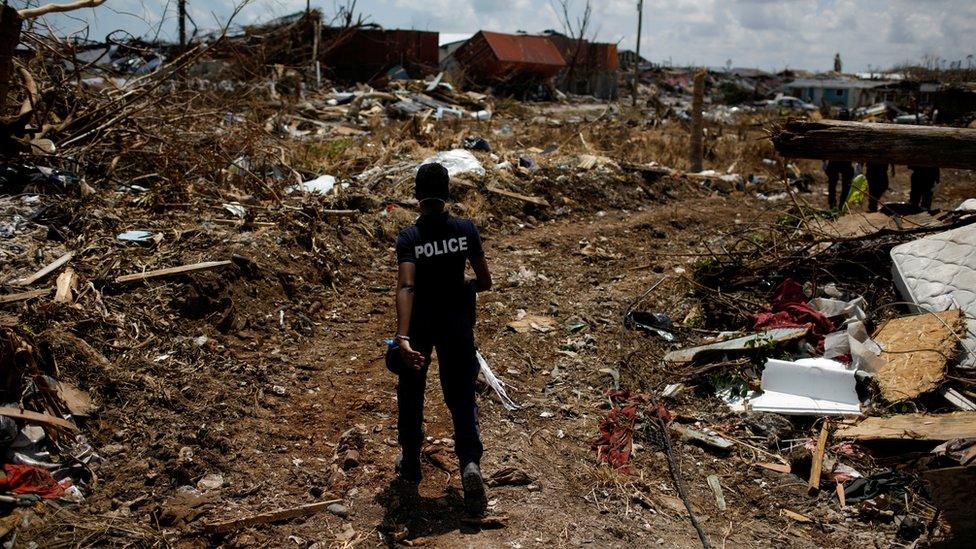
<point x="339" y="383"/>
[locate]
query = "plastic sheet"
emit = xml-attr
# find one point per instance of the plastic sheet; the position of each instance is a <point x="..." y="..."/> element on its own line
<point x="496" y="384"/>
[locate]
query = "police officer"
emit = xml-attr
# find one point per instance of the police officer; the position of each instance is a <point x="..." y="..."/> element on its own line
<point x="435" y="310"/>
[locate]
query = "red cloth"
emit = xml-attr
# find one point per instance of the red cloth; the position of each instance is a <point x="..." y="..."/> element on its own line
<point x="616" y="440"/>
<point x="790" y="310"/>
<point x="27" y="479"/>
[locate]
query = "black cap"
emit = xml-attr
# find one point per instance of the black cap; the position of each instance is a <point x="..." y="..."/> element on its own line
<point x="432" y="182"/>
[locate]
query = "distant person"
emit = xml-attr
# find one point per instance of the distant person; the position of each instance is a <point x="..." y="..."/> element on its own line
<point x="841" y="170"/>
<point x="877" y="174"/>
<point x="924" y="181"/>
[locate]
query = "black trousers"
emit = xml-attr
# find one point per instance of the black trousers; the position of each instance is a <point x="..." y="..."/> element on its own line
<point x="844" y="171"/>
<point x="453" y="339"/>
<point x="877" y="185"/>
<point x="923" y="189"/>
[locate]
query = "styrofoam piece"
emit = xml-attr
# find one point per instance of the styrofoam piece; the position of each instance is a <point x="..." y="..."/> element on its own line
<point x="322" y="184"/>
<point x="457" y="161"/>
<point x="810" y="386"/>
<point x="937" y="273"/>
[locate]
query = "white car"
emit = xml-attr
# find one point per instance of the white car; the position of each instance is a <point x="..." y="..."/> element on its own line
<point x="790" y="103"/>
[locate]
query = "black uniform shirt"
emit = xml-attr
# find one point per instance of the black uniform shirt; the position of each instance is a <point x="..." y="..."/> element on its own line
<point x="439" y="245"/>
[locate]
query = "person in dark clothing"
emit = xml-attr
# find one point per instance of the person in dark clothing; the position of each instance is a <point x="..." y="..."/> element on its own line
<point x="924" y="181"/>
<point x="836" y="170"/>
<point x="841" y="170"/>
<point x="434" y="305"/>
<point x="877" y="175"/>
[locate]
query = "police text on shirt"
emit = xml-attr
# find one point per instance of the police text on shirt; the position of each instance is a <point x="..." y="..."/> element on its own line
<point x="451" y="245"/>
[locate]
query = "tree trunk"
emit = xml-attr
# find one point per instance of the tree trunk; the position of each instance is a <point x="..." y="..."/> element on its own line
<point x="883" y="143"/>
<point x="10" y="23"/>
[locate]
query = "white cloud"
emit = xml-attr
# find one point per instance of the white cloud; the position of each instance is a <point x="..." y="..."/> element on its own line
<point x="770" y="34"/>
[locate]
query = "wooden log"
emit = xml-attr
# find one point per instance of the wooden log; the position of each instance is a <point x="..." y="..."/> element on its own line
<point x="24" y="296"/>
<point x="268" y="517"/>
<point x="48" y="269"/>
<point x="884" y="143"/>
<point x="183" y="269"/>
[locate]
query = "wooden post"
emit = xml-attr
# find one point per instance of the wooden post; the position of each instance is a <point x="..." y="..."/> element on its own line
<point x="317" y="32"/>
<point x="883" y="143"/>
<point x="640" y="21"/>
<point x="181" y="7"/>
<point x="10" y="23"/>
<point x="695" y="155"/>
<point x="818" y="455"/>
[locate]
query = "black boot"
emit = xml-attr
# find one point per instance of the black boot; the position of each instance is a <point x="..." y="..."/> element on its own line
<point x="408" y="468"/>
<point x="475" y="496"/>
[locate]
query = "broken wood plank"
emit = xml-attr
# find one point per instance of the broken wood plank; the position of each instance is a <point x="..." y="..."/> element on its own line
<point x="268" y="517"/>
<point x="883" y="143"/>
<point x="952" y="493"/>
<point x="795" y="516"/>
<point x="66" y="285"/>
<point x="44" y="272"/>
<point x="24" y="296"/>
<point x="524" y="198"/>
<point x="39" y="418"/>
<point x="818" y="455"/>
<point x="716" y="487"/>
<point x="221" y="221"/>
<point x="491" y="521"/>
<point x="841" y="495"/>
<point x="778" y="467"/>
<point x="913" y="427"/>
<point x="915" y="350"/>
<point x="740" y="344"/>
<point x="208" y="265"/>
<point x="340" y="213"/>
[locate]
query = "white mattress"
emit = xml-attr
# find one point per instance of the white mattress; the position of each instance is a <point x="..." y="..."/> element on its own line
<point x="937" y="273"/>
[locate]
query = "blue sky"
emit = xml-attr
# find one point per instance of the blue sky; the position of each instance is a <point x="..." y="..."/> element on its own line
<point x="768" y="34"/>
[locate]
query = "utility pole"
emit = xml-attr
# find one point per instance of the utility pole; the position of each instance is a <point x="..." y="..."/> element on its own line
<point x="697" y="103"/>
<point x="640" y="20"/>
<point x="182" y="13"/>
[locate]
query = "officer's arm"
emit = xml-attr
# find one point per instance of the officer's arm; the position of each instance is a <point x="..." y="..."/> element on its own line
<point x="404" y="296"/>
<point x="483" y="281"/>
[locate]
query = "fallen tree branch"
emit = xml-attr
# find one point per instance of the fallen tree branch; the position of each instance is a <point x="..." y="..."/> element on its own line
<point x="33" y="13"/>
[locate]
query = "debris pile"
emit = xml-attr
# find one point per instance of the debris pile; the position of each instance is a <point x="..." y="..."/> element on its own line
<point x="872" y="402"/>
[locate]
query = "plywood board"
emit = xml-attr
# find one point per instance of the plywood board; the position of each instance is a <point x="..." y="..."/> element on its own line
<point x="915" y="351"/>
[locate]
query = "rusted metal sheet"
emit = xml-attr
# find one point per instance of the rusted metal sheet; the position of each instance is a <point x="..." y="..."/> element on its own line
<point x="591" y="67"/>
<point x="493" y="55"/>
<point x="589" y="55"/>
<point x="365" y="54"/>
